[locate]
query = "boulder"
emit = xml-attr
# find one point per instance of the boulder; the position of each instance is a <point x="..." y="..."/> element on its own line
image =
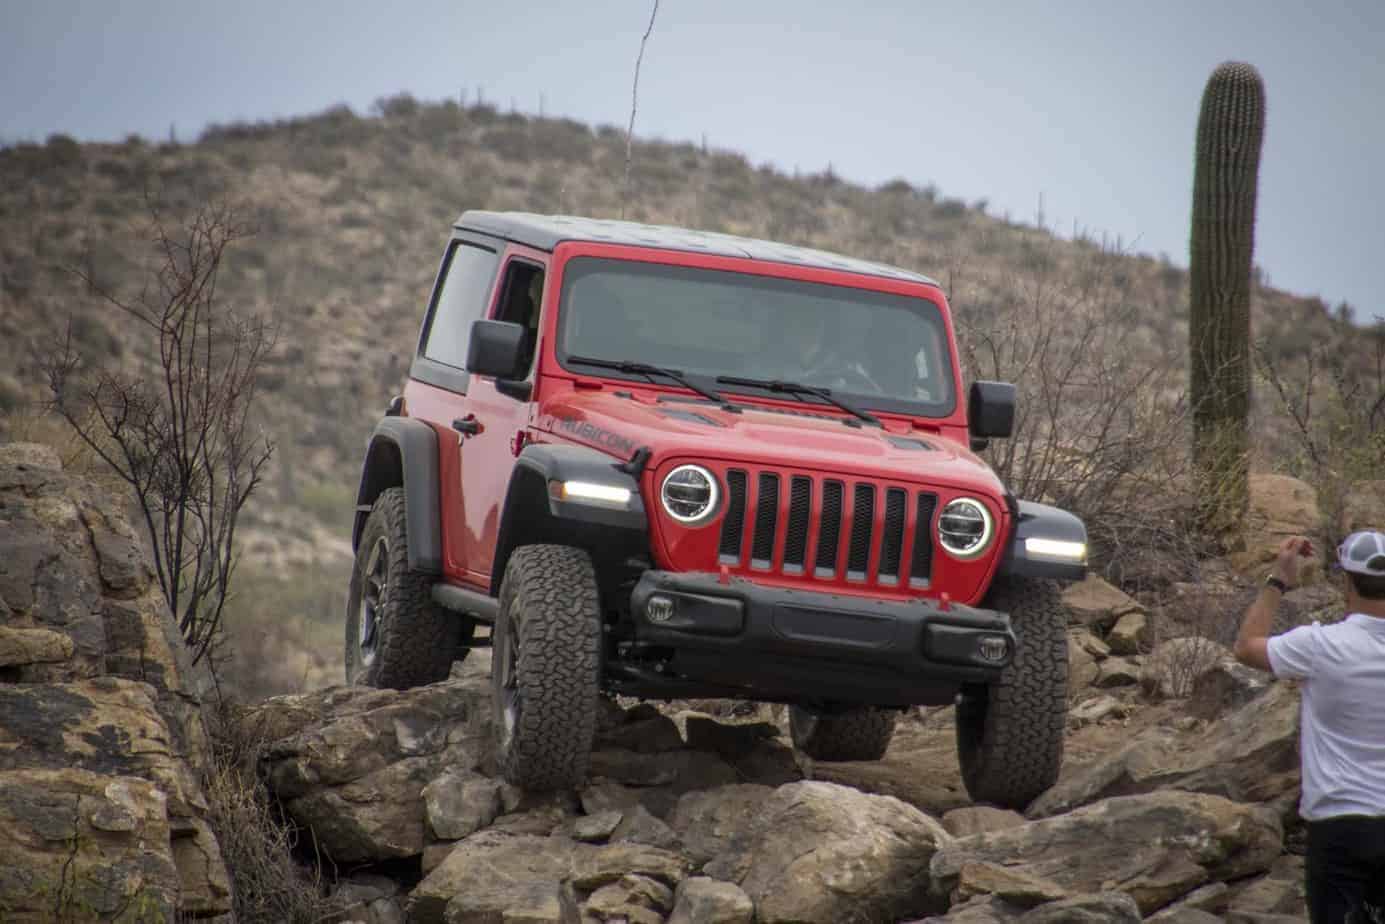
<point x="599" y="866"/>
<point x="1155" y="847"/>
<point x="1225" y="686"/>
<point x="1117" y="672"/>
<point x="920" y="739"/>
<point x="712" y="822"/>
<point x="1102" y="908"/>
<point x="731" y="741"/>
<point x="812" y="851"/>
<point x="1094" y="603"/>
<point x="631" y="899"/>
<point x="1250" y="755"/>
<point x="1125" y="772"/>
<point x="1172" y="669"/>
<point x="1130" y="635"/>
<point x="701" y="900"/>
<point x="680" y="771"/>
<point x="977" y="819"/>
<point x="21" y="647"/>
<point x="641" y="732"/>
<point x="595" y="828"/>
<point x="1192" y="908"/>
<point x="1280" y="506"/>
<point x="1092" y="711"/>
<point x="640" y="827"/>
<point x="370" y="899"/>
<point x="491" y="874"/>
<point x="986" y="909"/>
<point x="1083" y="668"/>
<point x="1279" y="891"/>
<point x="1364" y="507"/>
<point x="102" y="745"/>
<point x="1183" y="915"/>
<point x="352" y="763"/>
<point x="1016" y="887"/>
<point x="457" y="804"/>
<point x="1090" y="643"/>
<point x="607" y="795"/>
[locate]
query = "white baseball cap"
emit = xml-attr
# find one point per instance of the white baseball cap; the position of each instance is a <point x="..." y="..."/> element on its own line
<point x="1363" y="552"/>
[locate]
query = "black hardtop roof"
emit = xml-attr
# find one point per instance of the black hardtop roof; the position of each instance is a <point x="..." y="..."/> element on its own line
<point x="544" y="232"/>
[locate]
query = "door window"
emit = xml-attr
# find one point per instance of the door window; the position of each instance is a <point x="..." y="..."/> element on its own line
<point x="460" y="299"/>
<point x="520" y="300"/>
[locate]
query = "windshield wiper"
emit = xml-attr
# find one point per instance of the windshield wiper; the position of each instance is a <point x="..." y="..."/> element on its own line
<point x="637" y="368"/>
<point x="797" y="388"/>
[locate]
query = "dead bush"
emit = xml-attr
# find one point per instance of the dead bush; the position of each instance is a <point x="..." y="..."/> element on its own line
<point x="1101" y="426"/>
<point x="268" y="882"/>
<point x="178" y="432"/>
<point x="1334" y="400"/>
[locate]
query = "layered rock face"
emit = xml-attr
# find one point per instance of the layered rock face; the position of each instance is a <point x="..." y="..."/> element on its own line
<point x="102" y="813"/>
<point x="690" y="818"/>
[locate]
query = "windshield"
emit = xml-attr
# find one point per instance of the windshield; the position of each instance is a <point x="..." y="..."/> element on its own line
<point x="876" y="349"/>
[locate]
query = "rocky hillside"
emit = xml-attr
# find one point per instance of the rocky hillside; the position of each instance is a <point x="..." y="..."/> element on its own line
<point x="1177" y="801"/>
<point x="695" y="813"/>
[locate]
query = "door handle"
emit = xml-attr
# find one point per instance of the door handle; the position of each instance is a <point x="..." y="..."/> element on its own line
<point x="467" y="426"/>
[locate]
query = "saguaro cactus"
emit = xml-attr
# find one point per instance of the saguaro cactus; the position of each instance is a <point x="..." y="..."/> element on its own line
<point x="1230" y="130"/>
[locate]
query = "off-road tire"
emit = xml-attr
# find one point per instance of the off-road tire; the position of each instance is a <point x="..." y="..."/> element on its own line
<point x="1010" y="733"/>
<point x="546" y="667"/>
<point x="415" y="640"/>
<point x="857" y="733"/>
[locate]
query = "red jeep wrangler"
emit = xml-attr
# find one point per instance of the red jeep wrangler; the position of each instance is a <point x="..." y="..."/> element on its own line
<point x="666" y="463"/>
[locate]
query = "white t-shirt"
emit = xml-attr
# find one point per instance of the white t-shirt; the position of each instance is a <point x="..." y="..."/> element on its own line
<point x="1342" y="718"/>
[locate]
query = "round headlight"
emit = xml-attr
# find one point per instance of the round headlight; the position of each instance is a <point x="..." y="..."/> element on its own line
<point x="965" y="527"/>
<point x="689" y="493"/>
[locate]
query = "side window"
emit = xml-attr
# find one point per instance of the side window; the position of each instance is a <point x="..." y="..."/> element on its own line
<point x="520" y="300"/>
<point x="460" y="300"/>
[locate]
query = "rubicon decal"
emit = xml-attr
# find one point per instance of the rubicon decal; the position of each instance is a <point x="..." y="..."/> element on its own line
<point x="595" y="436"/>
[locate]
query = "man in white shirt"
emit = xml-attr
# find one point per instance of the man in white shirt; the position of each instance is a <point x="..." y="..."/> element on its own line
<point x="1342" y="724"/>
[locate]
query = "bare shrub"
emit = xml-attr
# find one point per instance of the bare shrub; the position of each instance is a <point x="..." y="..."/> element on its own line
<point x="1334" y="400"/>
<point x="268" y="884"/>
<point x="176" y="429"/>
<point x="1191" y="635"/>
<point x="1102" y="418"/>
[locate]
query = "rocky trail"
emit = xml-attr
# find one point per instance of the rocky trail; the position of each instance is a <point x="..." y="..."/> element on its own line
<point x="1177" y="801"/>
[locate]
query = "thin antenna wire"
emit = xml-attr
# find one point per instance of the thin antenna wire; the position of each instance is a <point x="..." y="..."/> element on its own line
<point x="634" y="96"/>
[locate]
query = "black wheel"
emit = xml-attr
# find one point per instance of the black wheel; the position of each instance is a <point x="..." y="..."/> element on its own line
<point x="396" y="636"/>
<point x="1010" y="733"/>
<point x="855" y="733"/>
<point x="546" y="667"/>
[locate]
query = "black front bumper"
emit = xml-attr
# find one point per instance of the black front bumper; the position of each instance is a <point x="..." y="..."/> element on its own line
<point x="746" y="639"/>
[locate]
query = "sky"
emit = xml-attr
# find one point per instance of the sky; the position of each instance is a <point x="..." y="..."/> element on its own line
<point x="1083" y="111"/>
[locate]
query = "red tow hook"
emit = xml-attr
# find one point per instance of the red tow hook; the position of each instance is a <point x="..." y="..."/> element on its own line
<point x="944" y="603"/>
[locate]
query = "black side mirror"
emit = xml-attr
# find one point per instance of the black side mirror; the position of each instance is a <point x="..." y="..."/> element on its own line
<point x="497" y="349"/>
<point x="991" y="409"/>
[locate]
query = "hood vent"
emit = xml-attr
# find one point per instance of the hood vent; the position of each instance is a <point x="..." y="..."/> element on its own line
<point x="690" y="417"/>
<point x="904" y="442"/>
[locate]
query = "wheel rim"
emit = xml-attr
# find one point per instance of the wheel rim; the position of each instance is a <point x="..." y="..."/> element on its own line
<point x="374" y="585"/>
<point x="507" y="696"/>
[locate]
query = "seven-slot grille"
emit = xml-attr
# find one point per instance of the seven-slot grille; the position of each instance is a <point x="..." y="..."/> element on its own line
<point x="859" y="525"/>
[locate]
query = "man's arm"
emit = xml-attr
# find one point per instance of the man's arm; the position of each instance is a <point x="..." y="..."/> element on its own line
<point x="1252" y="641"/>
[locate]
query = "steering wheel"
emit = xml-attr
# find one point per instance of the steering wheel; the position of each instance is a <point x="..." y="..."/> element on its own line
<point x="846" y="377"/>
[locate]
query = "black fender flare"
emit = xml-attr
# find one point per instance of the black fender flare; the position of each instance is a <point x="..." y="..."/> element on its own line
<point x="534" y="513"/>
<point x="1040" y="521"/>
<point x="403" y="452"/>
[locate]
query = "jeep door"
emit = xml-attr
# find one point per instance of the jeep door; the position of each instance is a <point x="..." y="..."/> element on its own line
<point x="498" y="412"/>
